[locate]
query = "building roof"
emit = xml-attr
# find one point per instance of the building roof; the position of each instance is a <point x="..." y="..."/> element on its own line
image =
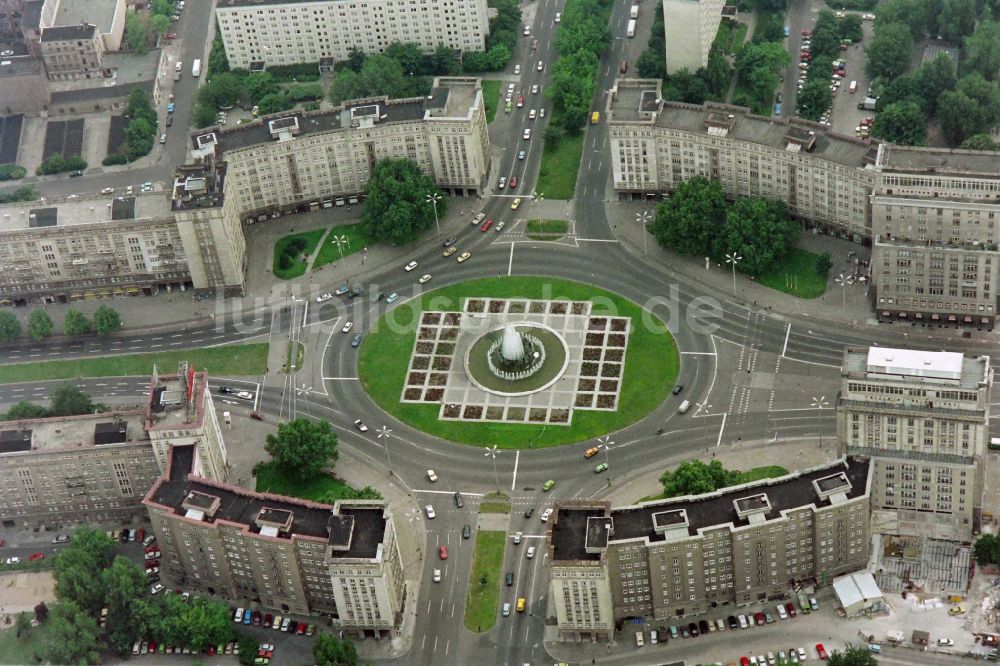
<point x="453" y="98"/>
<point x="98" y="93"/>
<point x="199" y="185"/>
<point x="100" y="13"/>
<point x="177" y="401"/>
<point x="68" y="32"/>
<point x="31" y="17"/>
<point x="72" y="212"/>
<point x="73" y="432"/>
<point x="21" y="66"/>
<point x="940" y="161"/>
<point x="931" y="367"/>
<point x="856" y="588"/>
<point x="734" y="507"/>
<point x="224" y="4"/>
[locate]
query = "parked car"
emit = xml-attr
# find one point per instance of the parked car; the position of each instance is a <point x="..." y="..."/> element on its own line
<point x="34" y="557"/>
<point x="430" y="511"/>
<point x="821" y="651"/>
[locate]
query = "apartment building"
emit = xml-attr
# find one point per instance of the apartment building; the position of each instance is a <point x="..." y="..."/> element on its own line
<point x="76" y="249"/>
<point x="922" y="418"/>
<point x="301" y="159"/>
<point x="73" y="52"/>
<point x="261" y="33"/>
<point x="290" y="555"/>
<point x="935" y="253"/>
<point x="689" y="27"/>
<point x="679" y="557"/>
<point x="107" y="17"/>
<point x="930" y="213"/>
<point x="75" y="469"/>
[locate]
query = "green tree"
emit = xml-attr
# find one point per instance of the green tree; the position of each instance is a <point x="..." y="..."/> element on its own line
<point x="689" y="220"/>
<point x="126" y="584"/>
<point x="106" y="320"/>
<point x="932" y="79"/>
<point x="203" y="115"/>
<point x="328" y="650"/>
<point x="274" y="104"/>
<point x="889" y="52"/>
<point x="346" y="493"/>
<point x="396" y="208"/>
<point x="248" y="649"/>
<point x="901" y="123"/>
<point x="957" y="19"/>
<point x="919" y="16"/>
<point x="162" y="8"/>
<point x="969" y="109"/>
<point x="849" y="27"/>
<point x="22" y="625"/>
<point x="409" y="56"/>
<point x="852" y="655"/>
<point x="346" y="84"/>
<point x="206" y="622"/>
<point x="218" y="63"/>
<point x="259" y="85"/>
<point x="39" y="324"/>
<point x="223" y="89"/>
<point x="757" y="229"/>
<point x="814" y="99"/>
<point x="980" y="142"/>
<point x="159" y="24"/>
<point x="26" y="410"/>
<point x="69" y="400"/>
<point x="72" y="636"/>
<point x="694" y="477"/>
<point x="355" y="59"/>
<point x="139" y="138"/>
<point x="10" y="327"/>
<point x="303" y="448"/>
<point x="137" y="32"/>
<point x="758" y="65"/>
<point x="987" y="549"/>
<point x="76" y="323"/>
<point x="717" y="73"/>
<point x="78" y="567"/>
<point x="442" y="62"/>
<point x="824" y="263"/>
<point x="982" y="50"/>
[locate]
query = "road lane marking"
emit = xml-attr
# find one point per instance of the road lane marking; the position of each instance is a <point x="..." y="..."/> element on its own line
<point x="788" y="332"/>
<point x="510" y="262"/>
<point x="698" y="353"/>
<point x="722" y="429"/>
<point x="447" y="492"/>
<point x="517" y="457"/>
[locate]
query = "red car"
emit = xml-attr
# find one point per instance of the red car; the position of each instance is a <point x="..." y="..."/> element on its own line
<point x="485" y="226"/>
<point x="36" y="556"/>
<point x="301" y="629"/>
<point x="140" y="534"/>
<point x="821" y="651"/>
<point x="152" y="563"/>
<point x="513" y="182"/>
<point x="759" y="618"/>
<point x="744" y="661"/>
<point x="268" y="620"/>
<point x="152" y="647"/>
<point x="211" y="651"/>
<point x="790" y="607"/>
<point x="520" y="101"/>
<point x="151" y="549"/>
<point x="443" y="552"/>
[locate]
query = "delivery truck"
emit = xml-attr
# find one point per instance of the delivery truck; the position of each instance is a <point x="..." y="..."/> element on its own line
<point x="631" y="28"/>
<point x="196" y="68"/>
<point x="634" y="12"/>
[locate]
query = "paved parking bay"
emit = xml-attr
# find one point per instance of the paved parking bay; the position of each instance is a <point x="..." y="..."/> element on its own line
<point x="10" y="137"/>
<point x="846" y="115"/>
<point x="64" y="137"/>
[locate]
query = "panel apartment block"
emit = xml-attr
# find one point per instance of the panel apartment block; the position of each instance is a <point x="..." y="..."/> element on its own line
<point x="689" y="27"/>
<point x="76" y="249"/>
<point x="285" y="161"/>
<point x="75" y="469"/>
<point x="259" y="33"/>
<point x="683" y="556"/>
<point x="289" y="555"/>
<point x="923" y="419"/>
<point x="930" y="213"/>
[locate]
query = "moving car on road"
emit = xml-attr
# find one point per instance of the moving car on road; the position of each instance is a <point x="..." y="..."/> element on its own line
<point x="432" y="476"/>
<point x="450" y="251"/>
<point x="410" y="266"/>
<point x="547" y="486"/>
<point x="323" y="298"/>
<point x="462" y="257"/>
<point x="360" y="426"/>
<point x="424" y="278"/>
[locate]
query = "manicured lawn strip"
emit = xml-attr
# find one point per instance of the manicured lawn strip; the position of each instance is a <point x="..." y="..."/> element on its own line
<point x="482" y="606"/>
<point x="14" y="650"/>
<point x="271" y="480"/>
<point x="491" y="95"/>
<point x="651" y="365"/>
<point x="753" y="474"/>
<point x="298" y="266"/>
<point x="560" y="163"/>
<point x="547" y="226"/>
<point x="248" y="359"/>
<point x="493" y="503"/>
<point x="357" y="240"/>
<point x="797" y="275"/>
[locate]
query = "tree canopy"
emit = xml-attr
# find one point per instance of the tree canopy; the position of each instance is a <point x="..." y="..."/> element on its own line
<point x="852" y="655"/>
<point x="694" y="477"/>
<point x="688" y="221"/>
<point x="902" y="123"/>
<point x="814" y="99"/>
<point x="757" y="229"/>
<point x="987" y="549"/>
<point x="982" y="50"/>
<point x="78" y="568"/>
<point x="72" y="635"/>
<point x="10" y="327"/>
<point x="76" y="323"/>
<point x="39" y="324"/>
<point x="396" y="208"/>
<point x="106" y="320"/>
<point x="328" y="650"/>
<point x="303" y="448"/>
<point x="889" y="52"/>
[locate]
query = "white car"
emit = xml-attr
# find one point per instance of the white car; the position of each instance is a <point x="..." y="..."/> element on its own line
<point x="527" y="30"/>
<point x="129" y="190"/>
<point x="13" y="560"/>
<point x="432" y="476"/>
<point x="502" y="183"/>
<point x="360" y="426"/>
<point x="802" y="654"/>
<point x="156" y="589"/>
<point x="531" y="114"/>
<point x="425" y="278"/>
<point x="410" y="266"/>
<point x="546" y="514"/>
<point x="323" y="298"/>
<point x="107" y="190"/>
<point x="945" y="641"/>
<point x="517" y="69"/>
<point x="534" y="89"/>
<point x="517" y="537"/>
<point x="430" y="511"/>
<point x="541" y="66"/>
<point x="541" y="113"/>
<point x="437" y="575"/>
<point x="347" y="327"/>
<point x="245" y="395"/>
<point x="531" y="552"/>
<point x="558" y="17"/>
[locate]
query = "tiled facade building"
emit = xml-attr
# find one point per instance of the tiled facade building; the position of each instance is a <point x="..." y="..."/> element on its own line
<point x="923" y="420"/>
<point x="689" y="27"/>
<point x="930" y="213"/>
<point x="683" y="556"/>
<point x="291" y="555"/>
<point x="260" y="33"/>
<point x="296" y="159"/>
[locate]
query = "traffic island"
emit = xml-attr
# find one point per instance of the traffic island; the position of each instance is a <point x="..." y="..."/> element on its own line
<point x="607" y="363"/>
<point x="547" y="230"/>
<point x="482" y="604"/>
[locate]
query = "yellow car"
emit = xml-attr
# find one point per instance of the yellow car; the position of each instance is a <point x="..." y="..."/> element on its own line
<point x="462" y="257"/>
<point x="450" y="251"/>
<point x="521" y="604"/>
<point x="956" y="610"/>
<point x="517" y="202"/>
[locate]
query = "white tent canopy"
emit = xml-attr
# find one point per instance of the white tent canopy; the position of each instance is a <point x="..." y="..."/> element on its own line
<point x="857" y="592"/>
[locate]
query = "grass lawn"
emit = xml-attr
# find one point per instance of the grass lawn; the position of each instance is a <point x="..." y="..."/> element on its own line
<point x="491" y="96"/>
<point x="753" y="474"/>
<point x="356" y="241"/>
<point x="651" y="365"/>
<point x="227" y="360"/>
<point x="271" y="480"/>
<point x="797" y="275"/>
<point x="546" y="229"/>
<point x="298" y="266"/>
<point x="482" y="605"/>
<point x="560" y="162"/>
<point x="14" y="651"/>
<point x="493" y="503"/>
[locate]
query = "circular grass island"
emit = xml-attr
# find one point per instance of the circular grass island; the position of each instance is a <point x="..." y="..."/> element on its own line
<point x="650" y="364"/>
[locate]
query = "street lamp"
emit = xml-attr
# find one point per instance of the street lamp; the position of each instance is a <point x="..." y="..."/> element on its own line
<point x="844" y="282"/>
<point x="732" y="260"/>
<point x="491" y="452"/>
<point x="643" y="219"/>
<point x="606" y="443"/>
<point x="819" y="403"/>
<point x="433" y="199"/>
<point x="383" y="434"/>
<point x="341" y="241"/>
<point x="537" y="196"/>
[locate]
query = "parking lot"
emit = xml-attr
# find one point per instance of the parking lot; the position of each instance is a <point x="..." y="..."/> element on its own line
<point x="846" y="116"/>
<point x="10" y="137"/>
<point x="64" y="137"/>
